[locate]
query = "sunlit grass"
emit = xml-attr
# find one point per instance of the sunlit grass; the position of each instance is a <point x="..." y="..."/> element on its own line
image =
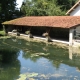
<point x="2" y="32"/>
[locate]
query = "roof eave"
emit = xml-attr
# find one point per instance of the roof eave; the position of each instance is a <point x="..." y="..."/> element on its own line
<point x="69" y="11"/>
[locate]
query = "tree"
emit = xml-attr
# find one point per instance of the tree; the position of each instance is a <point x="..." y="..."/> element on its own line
<point x="40" y="8"/>
<point x="8" y="10"/>
<point x="66" y="4"/>
<point x="54" y="9"/>
<point x="0" y="8"/>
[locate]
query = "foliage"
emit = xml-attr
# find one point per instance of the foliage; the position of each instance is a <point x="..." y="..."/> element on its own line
<point x="2" y="33"/>
<point x="66" y="4"/>
<point x="0" y="8"/>
<point x="8" y="10"/>
<point x="45" y="7"/>
<point x="40" y="8"/>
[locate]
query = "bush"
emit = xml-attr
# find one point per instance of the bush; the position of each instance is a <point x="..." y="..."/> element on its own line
<point x="2" y="33"/>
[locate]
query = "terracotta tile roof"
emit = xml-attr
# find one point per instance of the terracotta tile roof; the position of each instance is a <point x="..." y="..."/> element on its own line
<point x="77" y="4"/>
<point x="48" y="21"/>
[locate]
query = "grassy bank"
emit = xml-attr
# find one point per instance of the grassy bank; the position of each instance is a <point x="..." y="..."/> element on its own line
<point x="2" y="33"/>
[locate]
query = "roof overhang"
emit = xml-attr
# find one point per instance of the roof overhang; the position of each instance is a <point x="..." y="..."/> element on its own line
<point x="73" y="8"/>
<point x="46" y="21"/>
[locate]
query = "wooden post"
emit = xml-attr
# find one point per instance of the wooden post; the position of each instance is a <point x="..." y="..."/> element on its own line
<point x="4" y="28"/>
<point x="48" y="37"/>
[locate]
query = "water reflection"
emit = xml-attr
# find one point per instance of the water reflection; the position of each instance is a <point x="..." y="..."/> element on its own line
<point x="9" y="64"/>
<point x="54" y="54"/>
<point x="51" y="67"/>
<point x="74" y="52"/>
<point x="23" y="60"/>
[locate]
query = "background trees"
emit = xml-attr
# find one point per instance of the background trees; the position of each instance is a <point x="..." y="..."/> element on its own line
<point x="8" y="10"/>
<point x="46" y="7"/>
<point x="66" y="4"/>
<point x="40" y="8"/>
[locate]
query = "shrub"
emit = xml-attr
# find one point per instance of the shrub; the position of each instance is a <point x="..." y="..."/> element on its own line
<point x="2" y="33"/>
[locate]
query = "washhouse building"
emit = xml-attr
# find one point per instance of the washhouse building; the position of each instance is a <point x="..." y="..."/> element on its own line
<point x="65" y="28"/>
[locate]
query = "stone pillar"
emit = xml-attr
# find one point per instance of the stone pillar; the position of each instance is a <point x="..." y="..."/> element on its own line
<point x="71" y="37"/>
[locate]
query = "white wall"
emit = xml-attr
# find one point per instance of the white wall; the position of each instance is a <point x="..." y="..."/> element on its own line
<point x="72" y="40"/>
<point x="78" y="28"/>
<point x="76" y="11"/>
<point x="75" y="42"/>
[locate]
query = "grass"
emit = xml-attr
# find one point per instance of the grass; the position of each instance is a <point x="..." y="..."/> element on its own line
<point x="2" y="33"/>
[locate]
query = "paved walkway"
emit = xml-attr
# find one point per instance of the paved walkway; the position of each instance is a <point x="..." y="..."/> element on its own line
<point x="55" y="40"/>
<point x="41" y="38"/>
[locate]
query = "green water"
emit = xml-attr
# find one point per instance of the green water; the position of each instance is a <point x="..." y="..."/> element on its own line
<point x="23" y="60"/>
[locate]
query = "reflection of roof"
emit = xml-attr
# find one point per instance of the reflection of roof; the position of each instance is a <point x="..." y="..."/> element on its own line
<point x="77" y="4"/>
<point x="48" y="21"/>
